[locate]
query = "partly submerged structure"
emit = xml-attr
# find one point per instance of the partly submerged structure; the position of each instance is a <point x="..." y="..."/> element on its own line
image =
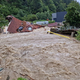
<point x="16" y="25"/>
<point x="53" y="24"/>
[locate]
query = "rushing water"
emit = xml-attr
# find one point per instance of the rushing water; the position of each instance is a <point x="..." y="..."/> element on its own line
<point x="39" y="56"/>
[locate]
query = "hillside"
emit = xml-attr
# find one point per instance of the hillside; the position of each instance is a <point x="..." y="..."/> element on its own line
<point x="22" y="8"/>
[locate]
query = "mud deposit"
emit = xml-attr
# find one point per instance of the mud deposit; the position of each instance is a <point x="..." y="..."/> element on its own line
<point x="40" y="56"/>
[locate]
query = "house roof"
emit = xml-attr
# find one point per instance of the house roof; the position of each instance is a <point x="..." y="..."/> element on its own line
<point x="14" y="25"/>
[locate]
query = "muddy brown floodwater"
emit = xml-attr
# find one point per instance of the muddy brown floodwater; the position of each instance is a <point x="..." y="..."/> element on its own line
<point x="40" y="56"/>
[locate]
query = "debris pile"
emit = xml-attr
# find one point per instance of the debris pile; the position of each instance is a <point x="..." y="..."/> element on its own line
<point x="53" y="24"/>
<point x="16" y="25"/>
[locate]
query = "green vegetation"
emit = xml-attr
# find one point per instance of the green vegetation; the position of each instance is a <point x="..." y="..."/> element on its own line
<point x="50" y="21"/>
<point x="72" y="18"/>
<point x="22" y="8"/>
<point x="3" y="22"/>
<point x="78" y="35"/>
<point x="21" y="78"/>
<point x="31" y="17"/>
<point x="43" y="15"/>
<point x="31" y="9"/>
<point x="75" y="4"/>
<point x="73" y="14"/>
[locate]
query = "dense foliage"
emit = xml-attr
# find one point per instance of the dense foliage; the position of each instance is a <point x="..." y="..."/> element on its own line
<point x="22" y="8"/>
<point x="31" y="17"/>
<point x="3" y="22"/>
<point x="73" y="14"/>
<point x="78" y="35"/>
<point x="72" y="18"/>
<point x="50" y="21"/>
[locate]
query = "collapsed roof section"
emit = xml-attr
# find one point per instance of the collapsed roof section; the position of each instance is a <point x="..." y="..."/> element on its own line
<point x="17" y="25"/>
<point x="53" y="24"/>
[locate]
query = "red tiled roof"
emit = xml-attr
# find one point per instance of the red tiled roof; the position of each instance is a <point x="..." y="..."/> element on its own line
<point x="14" y="25"/>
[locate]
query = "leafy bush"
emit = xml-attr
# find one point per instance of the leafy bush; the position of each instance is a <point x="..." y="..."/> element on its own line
<point x="31" y="17"/>
<point x="21" y="78"/>
<point x="51" y="21"/>
<point x="43" y="15"/>
<point x="66" y="24"/>
<point x="78" y="35"/>
<point x="3" y="22"/>
<point x="73" y="16"/>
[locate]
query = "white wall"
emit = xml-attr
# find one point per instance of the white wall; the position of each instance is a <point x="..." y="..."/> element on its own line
<point x="42" y="22"/>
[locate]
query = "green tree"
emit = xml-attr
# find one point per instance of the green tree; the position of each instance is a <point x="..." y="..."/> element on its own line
<point x="43" y="15"/>
<point x="52" y="8"/>
<point x="21" y="14"/>
<point x="61" y="6"/>
<point x="78" y="35"/>
<point x="73" y="16"/>
<point x="75" y="4"/>
<point x="3" y="22"/>
<point x="50" y="4"/>
<point x="36" y="6"/>
<point x="31" y="17"/>
<point x="45" y="8"/>
<point x="67" y="1"/>
<point x="22" y="8"/>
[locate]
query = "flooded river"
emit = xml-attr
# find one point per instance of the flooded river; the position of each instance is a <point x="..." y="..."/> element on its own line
<point x="39" y="56"/>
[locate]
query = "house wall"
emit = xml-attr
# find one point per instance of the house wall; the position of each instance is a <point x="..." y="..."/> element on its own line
<point x="42" y="22"/>
<point x="59" y="16"/>
<point x="5" y="29"/>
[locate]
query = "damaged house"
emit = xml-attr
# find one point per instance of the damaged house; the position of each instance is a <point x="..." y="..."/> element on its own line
<point x="16" y="25"/>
